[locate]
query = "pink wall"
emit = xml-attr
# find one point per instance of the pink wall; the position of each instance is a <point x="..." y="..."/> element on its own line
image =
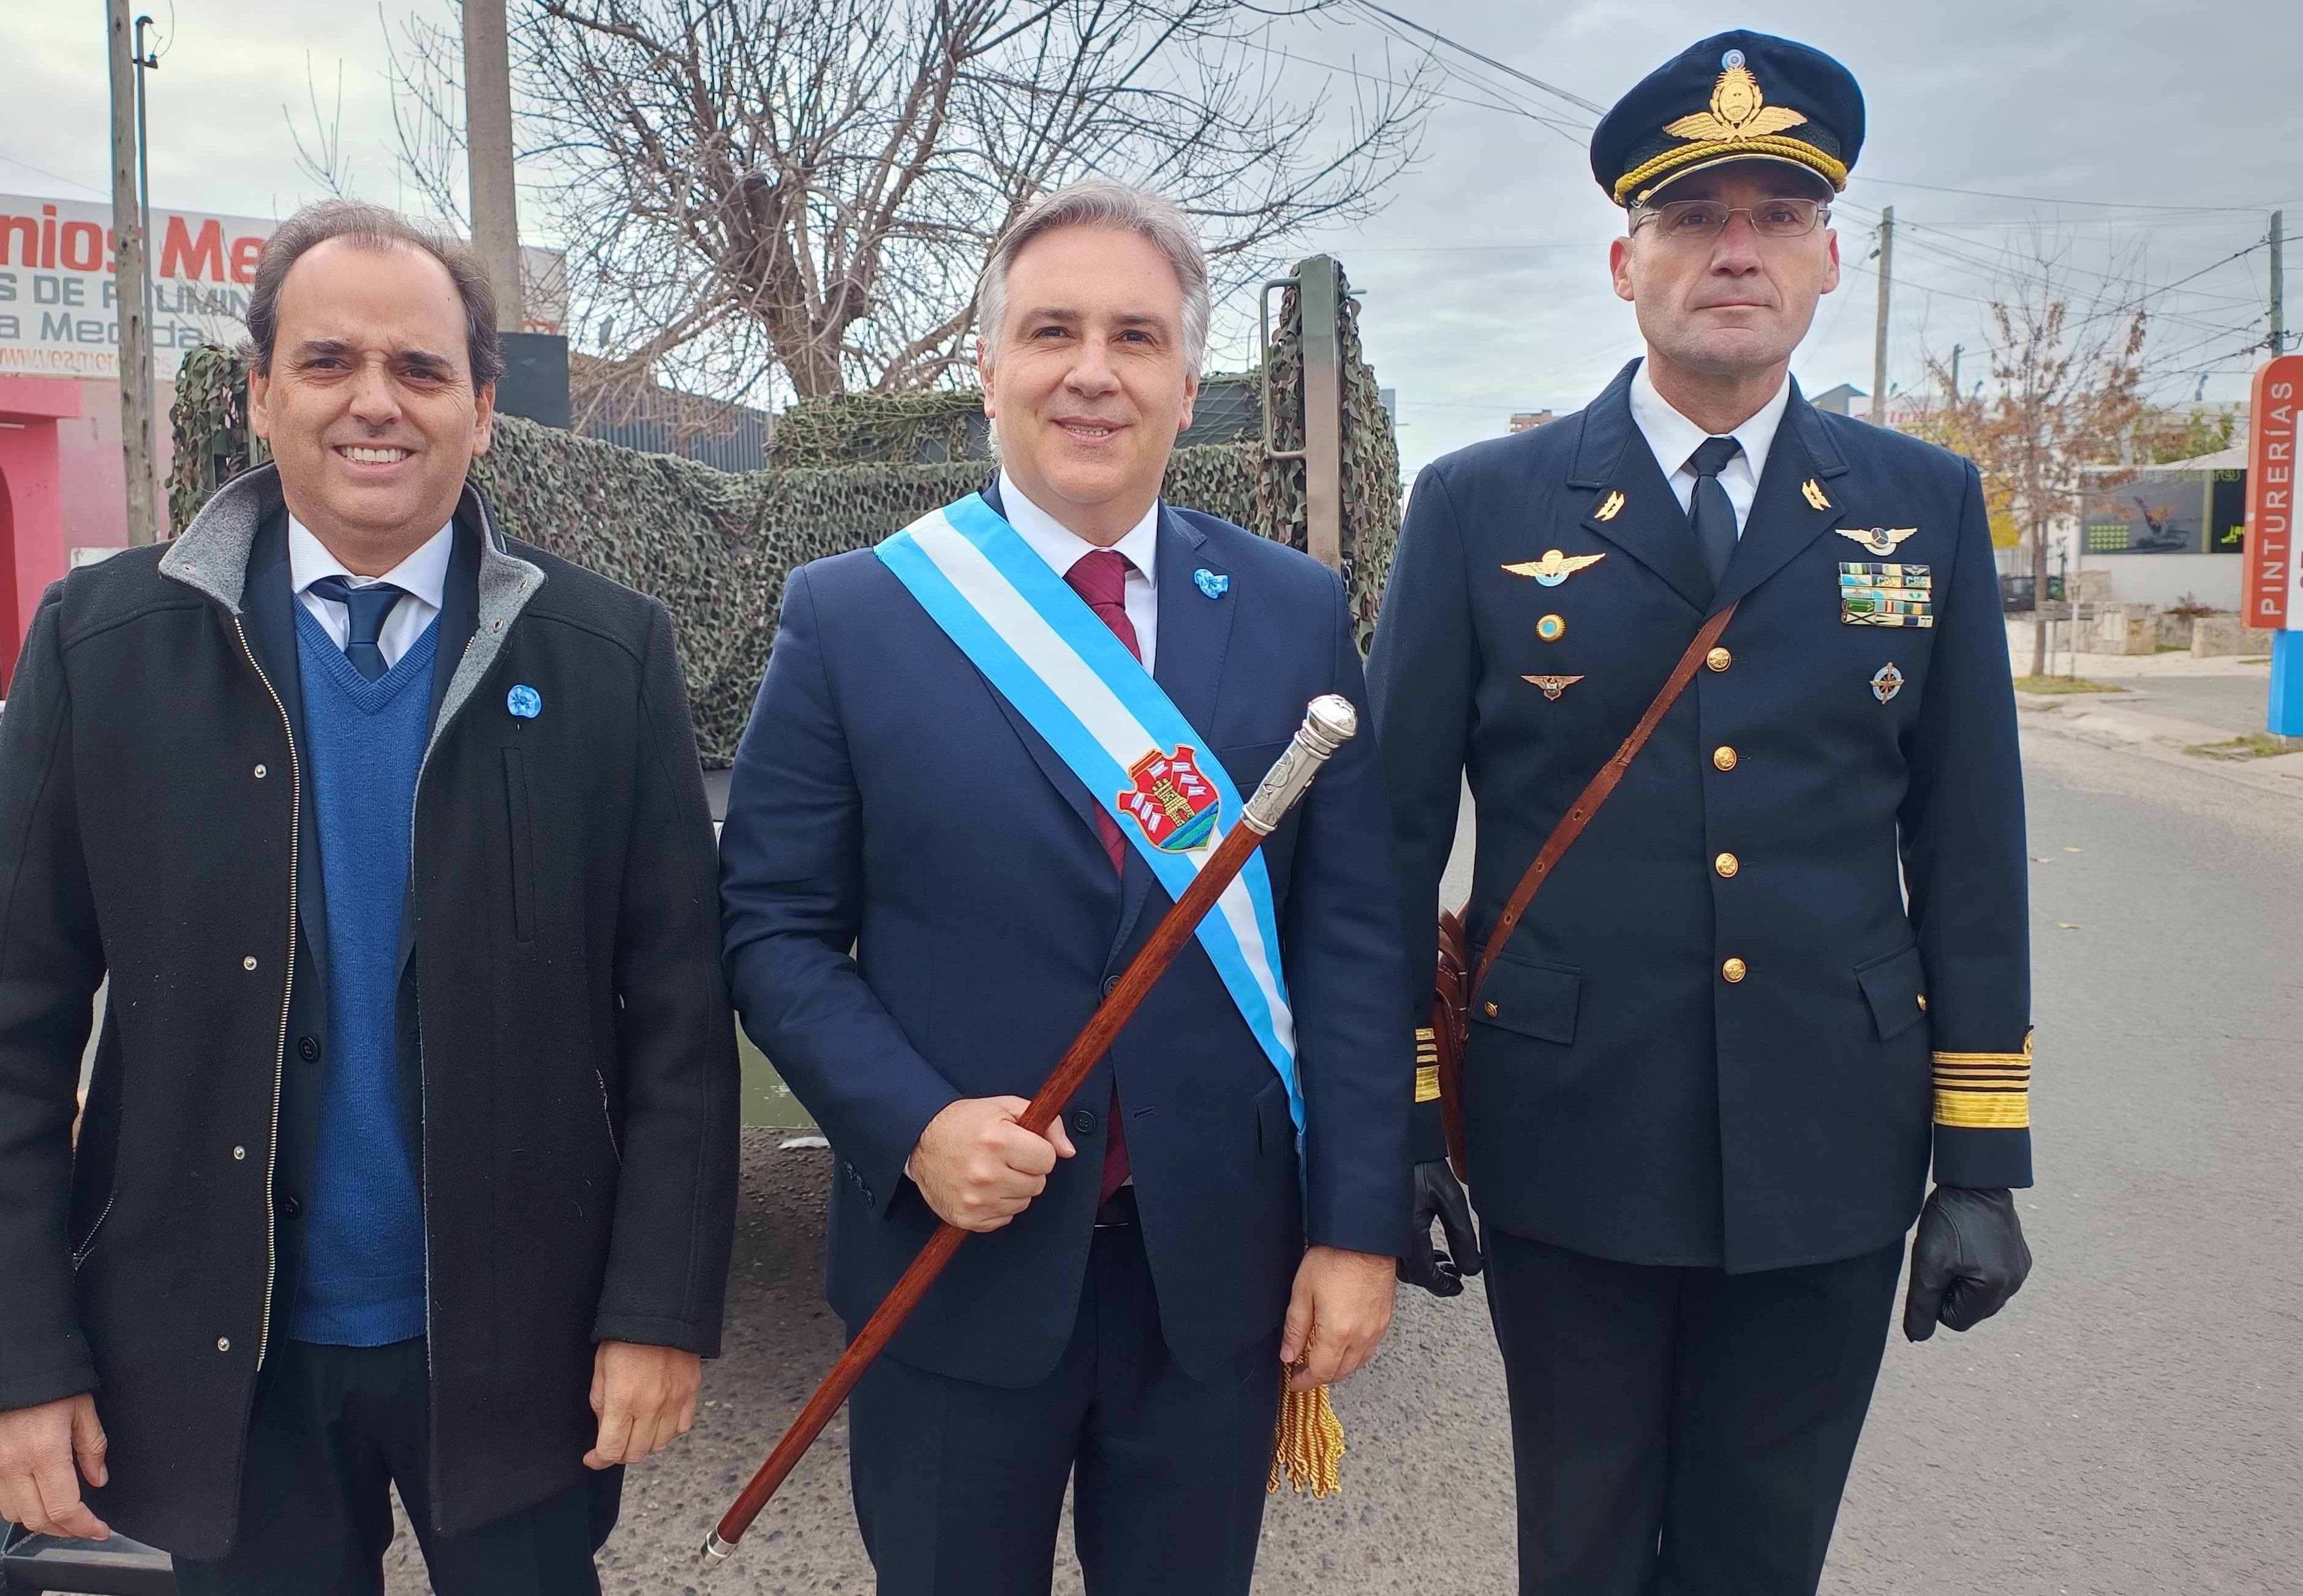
<point x="95" y="491"/>
<point x="31" y="500"/>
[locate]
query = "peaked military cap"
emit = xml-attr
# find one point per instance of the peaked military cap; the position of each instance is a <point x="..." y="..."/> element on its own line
<point x="1735" y="96"/>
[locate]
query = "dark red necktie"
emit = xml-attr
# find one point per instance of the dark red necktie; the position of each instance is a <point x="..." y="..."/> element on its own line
<point x="1102" y="579"/>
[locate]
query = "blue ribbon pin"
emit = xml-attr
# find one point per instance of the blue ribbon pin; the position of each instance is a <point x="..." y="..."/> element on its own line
<point x="524" y="702"/>
<point x="1210" y="583"/>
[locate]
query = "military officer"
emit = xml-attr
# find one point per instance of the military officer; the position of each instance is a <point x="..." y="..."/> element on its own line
<point x="1783" y="972"/>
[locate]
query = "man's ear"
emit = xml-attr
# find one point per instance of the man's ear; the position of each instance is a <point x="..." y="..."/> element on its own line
<point x="1831" y="245"/>
<point x="484" y="407"/>
<point x="1191" y="398"/>
<point x="259" y="404"/>
<point x="983" y="379"/>
<point x="1619" y="266"/>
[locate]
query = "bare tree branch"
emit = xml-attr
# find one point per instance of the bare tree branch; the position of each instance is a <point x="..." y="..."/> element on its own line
<point x="796" y="195"/>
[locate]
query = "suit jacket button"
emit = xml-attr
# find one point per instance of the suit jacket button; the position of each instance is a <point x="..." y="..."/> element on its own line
<point x="1726" y="864"/>
<point x="1110" y="984"/>
<point x="289" y="1206"/>
<point x="1083" y="1122"/>
<point x="1723" y="757"/>
<point x="1733" y="971"/>
<point x="1719" y="659"/>
<point x="308" y="1050"/>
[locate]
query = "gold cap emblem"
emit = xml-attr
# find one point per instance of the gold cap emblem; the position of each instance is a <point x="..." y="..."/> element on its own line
<point x="1739" y="110"/>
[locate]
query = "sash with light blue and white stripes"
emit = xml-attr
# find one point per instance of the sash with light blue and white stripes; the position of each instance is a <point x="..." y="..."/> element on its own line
<point x="1052" y="658"/>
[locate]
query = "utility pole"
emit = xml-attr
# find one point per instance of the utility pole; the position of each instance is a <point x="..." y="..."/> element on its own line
<point x="487" y="138"/>
<point x="2277" y="341"/>
<point x="1879" y="343"/>
<point x="1956" y="349"/>
<point x="132" y="294"/>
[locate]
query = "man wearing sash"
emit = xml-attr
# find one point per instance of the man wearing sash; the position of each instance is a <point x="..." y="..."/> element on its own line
<point x="985" y="758"/>
<point x="1782" y="976"/>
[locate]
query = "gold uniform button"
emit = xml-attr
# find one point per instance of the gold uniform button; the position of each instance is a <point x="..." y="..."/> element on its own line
<point x="1719" y="659"/>
<point x="1723" y="757"/>
<point x="1726" y="864"/>
<point x="1923" y="1002"/>
<point x="1733" y="970"/>
<point x="1489" y="1010"/>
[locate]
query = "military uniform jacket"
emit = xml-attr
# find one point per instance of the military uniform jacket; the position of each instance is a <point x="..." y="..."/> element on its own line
<point x="1786" y="965"/>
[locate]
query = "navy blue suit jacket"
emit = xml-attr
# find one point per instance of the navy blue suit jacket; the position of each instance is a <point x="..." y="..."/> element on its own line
<point x="1628" y="1095"/>
<point x="886" y="800"/>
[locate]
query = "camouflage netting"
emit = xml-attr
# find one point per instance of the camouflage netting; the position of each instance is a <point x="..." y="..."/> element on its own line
<point x="714" y="547"/>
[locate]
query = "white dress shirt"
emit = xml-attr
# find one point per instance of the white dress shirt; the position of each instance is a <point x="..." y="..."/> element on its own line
<point x="1062" y="548"/>
<point x="423" y="576"/>
<point x="1674" y="438"/>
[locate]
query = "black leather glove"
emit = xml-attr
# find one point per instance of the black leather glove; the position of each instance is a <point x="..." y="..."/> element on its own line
<point x="1967" y="1260"/>
<point x="1439" y="1195"/>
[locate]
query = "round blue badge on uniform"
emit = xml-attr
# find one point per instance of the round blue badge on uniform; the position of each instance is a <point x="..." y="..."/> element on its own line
<point x="525" y="702"/>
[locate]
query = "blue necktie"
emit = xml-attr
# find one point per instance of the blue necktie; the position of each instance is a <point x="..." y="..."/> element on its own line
<point x="1709" y="508"/>
<point x="368" y="605"/>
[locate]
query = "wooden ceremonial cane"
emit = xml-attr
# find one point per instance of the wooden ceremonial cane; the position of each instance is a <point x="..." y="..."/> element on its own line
<point x="1327" y="724"/>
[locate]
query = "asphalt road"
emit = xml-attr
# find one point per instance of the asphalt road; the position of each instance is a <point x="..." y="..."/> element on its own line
<point x="2133" y="1423"/>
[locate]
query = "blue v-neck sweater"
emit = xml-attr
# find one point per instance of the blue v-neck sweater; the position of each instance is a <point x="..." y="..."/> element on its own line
<point x="363" y="1276"/>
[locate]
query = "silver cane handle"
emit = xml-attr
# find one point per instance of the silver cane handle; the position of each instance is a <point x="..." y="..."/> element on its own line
<point x="1328" y="723"/>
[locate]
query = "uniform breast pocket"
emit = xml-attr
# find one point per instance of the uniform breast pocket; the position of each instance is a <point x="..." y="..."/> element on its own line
<point x="1534" y="999"/>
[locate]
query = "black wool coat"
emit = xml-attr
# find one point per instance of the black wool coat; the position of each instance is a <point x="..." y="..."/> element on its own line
<point x="567" y="1049"/>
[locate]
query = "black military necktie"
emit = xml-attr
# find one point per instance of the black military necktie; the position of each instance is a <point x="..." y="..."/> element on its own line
<point x="1709" y="509"/>
<point x="368" y="606"/>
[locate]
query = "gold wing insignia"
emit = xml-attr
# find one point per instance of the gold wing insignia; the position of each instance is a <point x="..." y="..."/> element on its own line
<point x="1554" y="567"/>
<point x="1552" y="686"/>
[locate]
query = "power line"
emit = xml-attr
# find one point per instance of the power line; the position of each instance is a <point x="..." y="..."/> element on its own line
<point x="2045" y="199"/>
<point x="1577" y="100"/>
<point x="69" y="182"/>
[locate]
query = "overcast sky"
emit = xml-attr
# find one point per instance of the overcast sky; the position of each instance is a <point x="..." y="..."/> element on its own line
<point x="1486" y="274"/>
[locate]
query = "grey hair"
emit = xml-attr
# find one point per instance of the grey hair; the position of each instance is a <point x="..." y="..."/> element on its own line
<point x="1102" y="202"/>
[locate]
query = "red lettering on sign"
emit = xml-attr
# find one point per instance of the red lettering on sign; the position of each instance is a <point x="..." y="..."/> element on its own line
<point x="183" y="256"/>
<point x="81" y="246"/>
<point x="26" y="252"/>
<point x="244" y="253"/>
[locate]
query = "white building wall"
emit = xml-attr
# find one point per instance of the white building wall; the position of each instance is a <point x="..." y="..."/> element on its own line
<point x="2163" y="579"/>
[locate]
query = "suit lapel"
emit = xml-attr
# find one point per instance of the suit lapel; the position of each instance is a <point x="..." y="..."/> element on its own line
<point x="1633" y="507"/>
<point x="1794" y="506"/>
<point x="1194" y="633"/>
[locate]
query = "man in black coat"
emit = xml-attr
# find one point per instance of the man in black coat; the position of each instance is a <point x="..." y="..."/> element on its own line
<point x="1784" y="970"/>
<point x="407" y="1158"/>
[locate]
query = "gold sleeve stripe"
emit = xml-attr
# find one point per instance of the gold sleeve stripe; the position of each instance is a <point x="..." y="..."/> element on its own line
<point x="1427" y="1084"/>
<point x="1983" y="1090"/>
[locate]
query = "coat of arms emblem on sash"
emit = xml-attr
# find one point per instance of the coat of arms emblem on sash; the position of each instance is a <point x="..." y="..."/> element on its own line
<point x="1171" y="800"/>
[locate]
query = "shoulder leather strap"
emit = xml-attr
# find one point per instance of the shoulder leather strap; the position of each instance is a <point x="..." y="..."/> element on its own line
<point x="1595" y="793"/>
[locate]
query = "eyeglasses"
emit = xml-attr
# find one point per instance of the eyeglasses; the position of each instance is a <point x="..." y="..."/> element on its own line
<point x="1699" y="221"/>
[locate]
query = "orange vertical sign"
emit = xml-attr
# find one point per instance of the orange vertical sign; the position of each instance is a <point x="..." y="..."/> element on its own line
<point x="2271" y="595"/>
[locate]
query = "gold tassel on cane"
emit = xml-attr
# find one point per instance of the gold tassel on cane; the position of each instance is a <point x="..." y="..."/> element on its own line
<point x="1307" y="1441"/>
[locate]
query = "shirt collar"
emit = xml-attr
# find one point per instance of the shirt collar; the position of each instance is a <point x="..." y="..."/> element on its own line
<point x="1062" y="548"/>
<point x="424" y="573"/>
<point x="1673" y="437"/>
